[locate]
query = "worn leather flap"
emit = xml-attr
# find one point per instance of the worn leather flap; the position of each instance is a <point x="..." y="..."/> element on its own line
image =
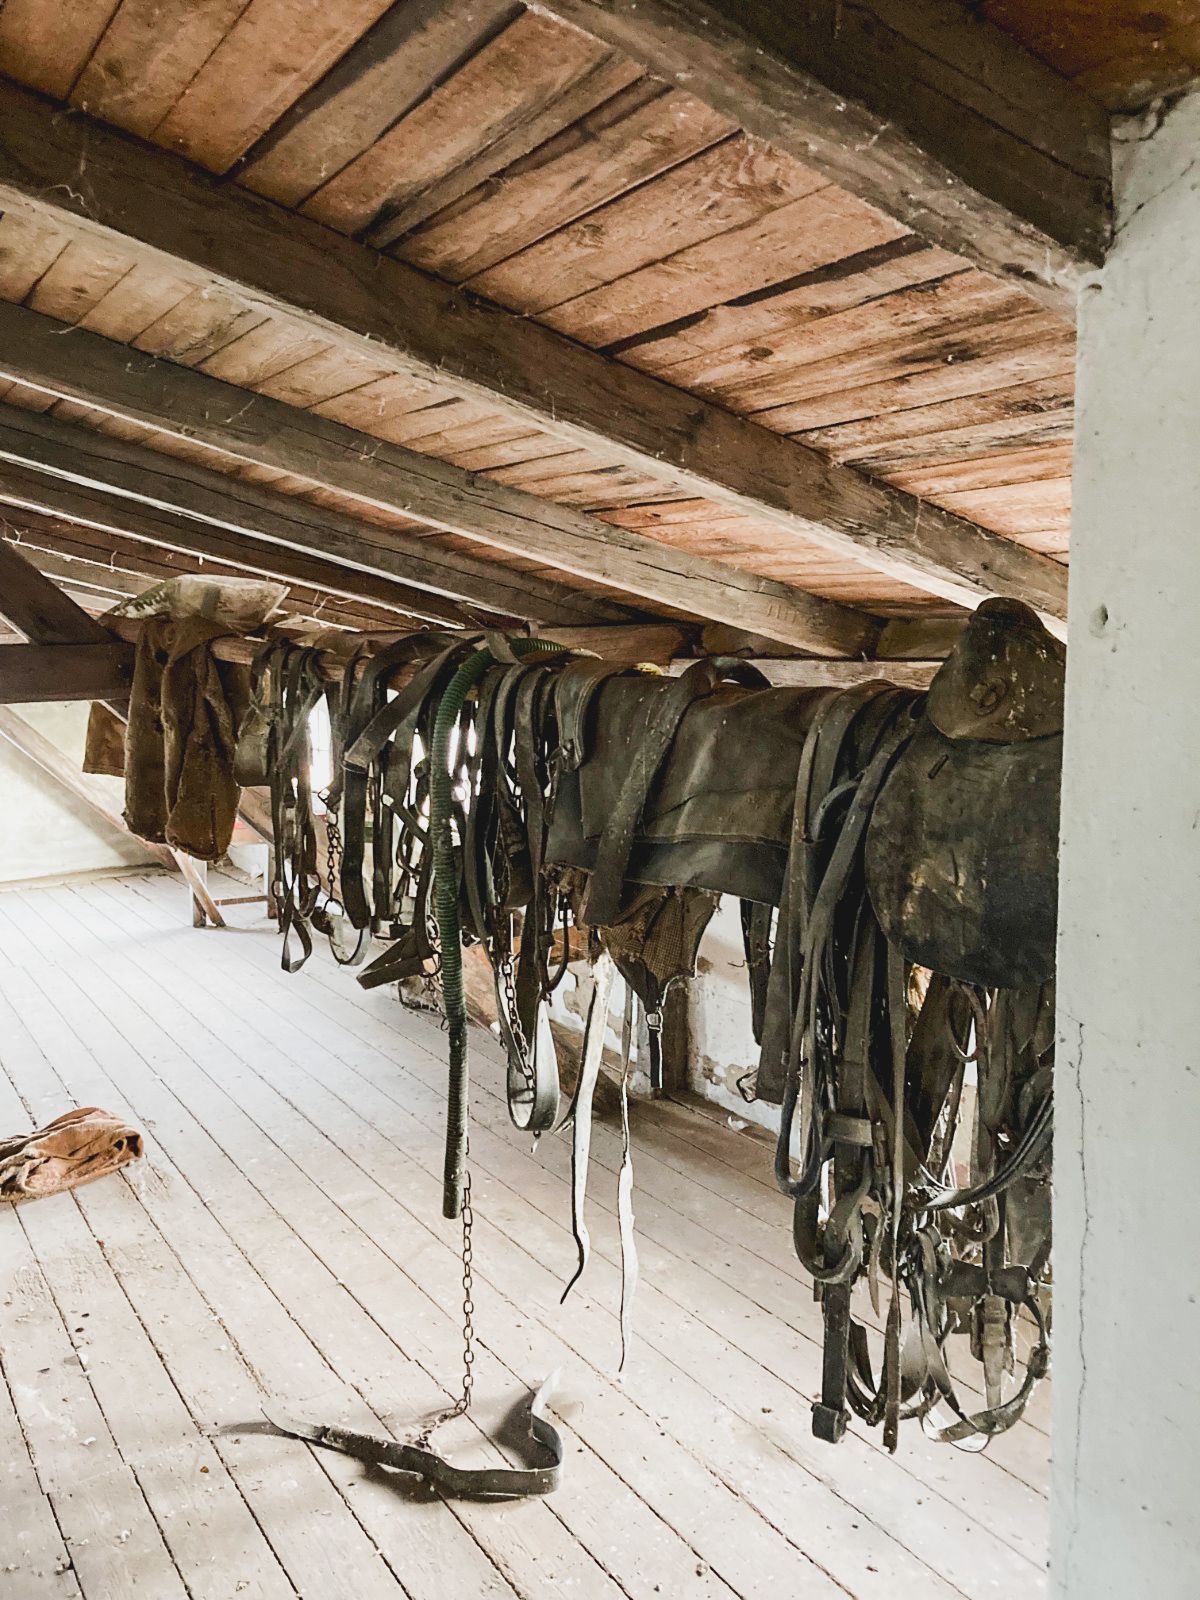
<point x="730" y="773"/>
<point x="574" y="693"/>
<point x="1004" y="679"/>
<point x="719" y="813"/>
<point x="962" y="857"/>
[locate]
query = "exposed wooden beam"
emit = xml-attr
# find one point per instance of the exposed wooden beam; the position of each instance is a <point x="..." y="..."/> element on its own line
<point x="88" y="507"/>
<point x="921" y="107"/>
<point x="50" y="758"/>
<point x="919" y="638"/>
<point x="97" y="581"/>
<point x="114" y="567"/>
<point x="193" y="406"/>
<point x="651" y="643"/>
<point x="280" y="263"/>
<point x="178" y="503"/>
<point x="31" y="672"/>
<point x="39" y="609"/>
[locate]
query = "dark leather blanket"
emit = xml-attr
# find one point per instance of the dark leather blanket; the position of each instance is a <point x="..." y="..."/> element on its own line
<point x="718" y="814"/>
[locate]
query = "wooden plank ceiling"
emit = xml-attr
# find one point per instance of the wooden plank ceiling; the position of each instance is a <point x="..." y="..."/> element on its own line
<point x="501" y="151"/>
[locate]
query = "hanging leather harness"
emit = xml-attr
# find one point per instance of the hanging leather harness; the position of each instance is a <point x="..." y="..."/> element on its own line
<point x="883" y="845"/>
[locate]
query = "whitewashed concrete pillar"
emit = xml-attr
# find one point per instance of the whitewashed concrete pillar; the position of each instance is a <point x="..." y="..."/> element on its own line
<point x="1126" y="1477"/>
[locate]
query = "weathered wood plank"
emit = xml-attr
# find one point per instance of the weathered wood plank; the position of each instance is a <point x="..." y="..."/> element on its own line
<point x="32" y="672"/>
<point x="802" y="297"/>
<point x="655" y="643"/>
<point x="383" y="310"/>
<point x="919" y="639"/>
<point x="46" y="44"/>
<point x="504" y="141"/>
<point x="195" y="407"/>
<point x="917" y="106"/>
<point x="511" y="80"/>
<point x="801" y="237"/>
<point x="273" y="52"/>
<point x="627" y="141"/>
<point x="410" y="50"/>
<point x="734" y="183"/>
<point x="147" y="56"/>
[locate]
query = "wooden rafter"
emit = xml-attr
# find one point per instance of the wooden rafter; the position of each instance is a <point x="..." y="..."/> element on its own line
<point x="87" y="570"/>
<point x="98" y="581"/>
<point x="190" y="405"/>
<point x="338" y="289"/>
<point x="63" y="468"/>
<point x="39" y="609"/>
<point x="91" y="507"/>
<point x="921" y="107"/>
<point x="411" y="49"/>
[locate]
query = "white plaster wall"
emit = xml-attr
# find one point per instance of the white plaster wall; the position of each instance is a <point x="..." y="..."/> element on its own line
<point x="44" y="831"/>
<point x="722" y="1040"/>
<point x="1126" y="1477"/>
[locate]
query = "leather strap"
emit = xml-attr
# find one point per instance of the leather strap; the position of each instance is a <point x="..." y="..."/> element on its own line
<point x="459" y="1483"/>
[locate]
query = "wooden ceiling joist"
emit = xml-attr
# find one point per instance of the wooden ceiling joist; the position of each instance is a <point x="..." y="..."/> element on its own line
<point x="61" y="468"/>
<point x="921" y="107"/>
<point x="83" y="564"/>
<point x="90" y="506"/>
<point x="192" y="406"/>
<point x="341" y="291"/>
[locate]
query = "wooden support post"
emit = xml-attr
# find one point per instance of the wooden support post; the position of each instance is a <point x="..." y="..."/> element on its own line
<point x="195" y="875"/>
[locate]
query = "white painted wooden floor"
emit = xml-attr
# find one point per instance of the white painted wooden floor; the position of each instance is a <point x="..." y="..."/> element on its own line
<point x="284" y="1239"/>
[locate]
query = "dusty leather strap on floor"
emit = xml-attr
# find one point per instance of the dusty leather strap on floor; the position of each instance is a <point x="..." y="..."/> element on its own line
<point x="80" y="1145"/>
<point x="461" y="1483"/>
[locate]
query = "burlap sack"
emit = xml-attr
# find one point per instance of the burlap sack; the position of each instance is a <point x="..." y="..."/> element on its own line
<point x="75" y="1148"/>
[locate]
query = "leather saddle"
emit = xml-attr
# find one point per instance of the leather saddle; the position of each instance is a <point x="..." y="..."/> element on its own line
<point x="962" y="848"/>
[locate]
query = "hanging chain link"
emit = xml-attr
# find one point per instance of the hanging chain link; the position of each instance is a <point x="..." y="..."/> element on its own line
<point x="463" y="1404"/>
<point x="333" y="855"/>
<point x="507" y="980"/>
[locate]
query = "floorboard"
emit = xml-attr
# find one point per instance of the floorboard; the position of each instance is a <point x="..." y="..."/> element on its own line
<point x="283" y="1240"/>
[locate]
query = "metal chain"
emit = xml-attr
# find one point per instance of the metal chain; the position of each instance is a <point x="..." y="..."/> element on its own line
<point x="514" y="1022"/>
<point x="463" y="1404"/>
<point x="333" y="854"/>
